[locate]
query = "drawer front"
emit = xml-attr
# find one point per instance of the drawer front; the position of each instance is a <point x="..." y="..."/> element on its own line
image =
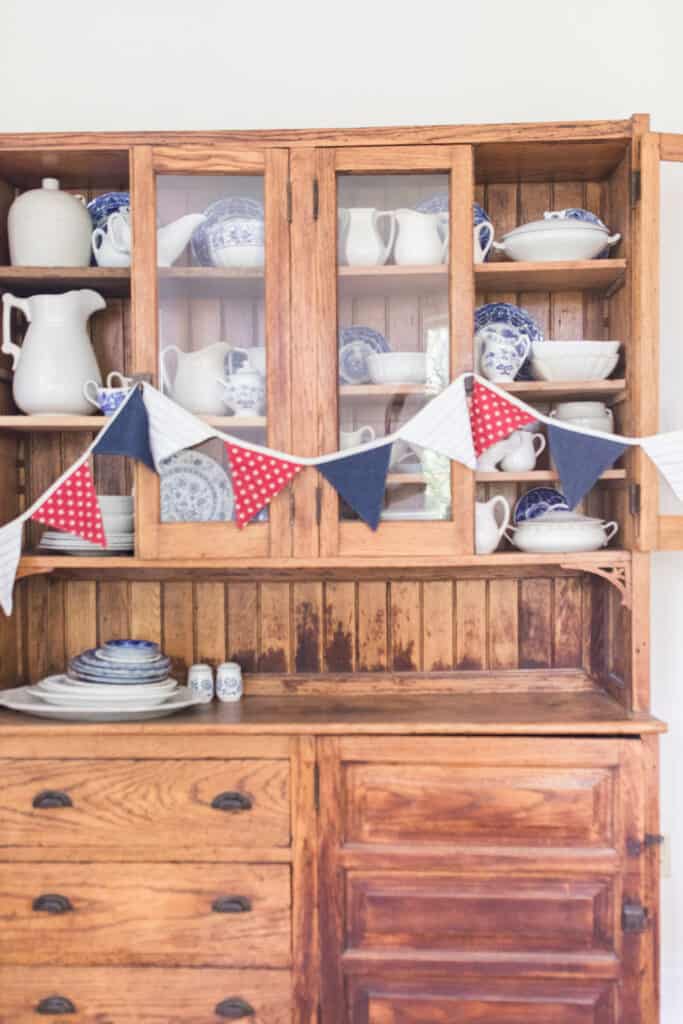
<point x="488" y="804"/>
<point x="378" y="1001"/>
<point x="114" y="995"/>
<point x="146" y="914"/>
<point x="563" y="915"/>
<point x="140" y="808"/>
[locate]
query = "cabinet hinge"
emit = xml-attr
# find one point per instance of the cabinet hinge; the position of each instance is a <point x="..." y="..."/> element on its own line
<point x="292" y="507"/>
<point x="316" y="199"/>
<point x="635" y="187"/>
<point x="316" y="791"/>
<point x="289" y="202"/>
<point x="318" y="504"/>
<point x="634" y="918"/>
<point x="634" y="847"/>
<point x="634" y="499"/>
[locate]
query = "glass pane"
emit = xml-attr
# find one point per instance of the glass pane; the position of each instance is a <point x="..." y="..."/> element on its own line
<point x="212" y="344"/>
<point x="392" y="283"/>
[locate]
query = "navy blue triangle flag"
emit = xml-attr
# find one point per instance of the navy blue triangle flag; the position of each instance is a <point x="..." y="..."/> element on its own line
<point x="128" y="433"/>
<point x="360" y="480"/>
<point x="580" y="460"/>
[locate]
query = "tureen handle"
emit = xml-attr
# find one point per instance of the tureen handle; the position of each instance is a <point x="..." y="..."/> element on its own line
<point x="613" y="239"/>
<point x="610" y="529"/>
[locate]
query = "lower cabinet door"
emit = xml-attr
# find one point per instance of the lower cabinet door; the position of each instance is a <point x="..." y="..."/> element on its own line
<point x="376" y="1000"/>
<point x="145" y="995"/>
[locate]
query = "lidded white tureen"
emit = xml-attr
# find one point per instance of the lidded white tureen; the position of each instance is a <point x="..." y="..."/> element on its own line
<point x="570" y="234"/>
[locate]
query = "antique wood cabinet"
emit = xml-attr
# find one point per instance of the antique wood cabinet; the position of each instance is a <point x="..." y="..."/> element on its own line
<point x="438" y="799"/>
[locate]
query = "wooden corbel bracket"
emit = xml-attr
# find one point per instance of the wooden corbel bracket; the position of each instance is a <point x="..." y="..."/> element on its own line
<point x="618" y="575"/>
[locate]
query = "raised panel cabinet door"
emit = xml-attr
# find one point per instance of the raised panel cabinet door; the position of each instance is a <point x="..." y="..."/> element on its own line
<point x="120" y="995"/>
<point x="374" y="999"/>
<point x="211" y="316"/>
<point x="144" y="809"/>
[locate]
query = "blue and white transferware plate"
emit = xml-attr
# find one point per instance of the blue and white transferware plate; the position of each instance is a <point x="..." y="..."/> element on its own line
<point x="194" y="489"/>
<point x="102" y="206"/>
<point x="438" y="203"/>
<point x="537" y="502"/>
<point x="134" y="650"/>
<point x="503" y="334"/>
<point x="246" y="212"/>
<point x="355" y="345"/>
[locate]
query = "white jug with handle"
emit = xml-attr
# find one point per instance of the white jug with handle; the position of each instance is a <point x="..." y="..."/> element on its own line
<point x="422" y="238"/>
<point x="56" y="357"/>
<point x="487" y="529"/>
<point x="522" y="456"/>
<point x="195" y="385"/>
<point x="360" y="241"/>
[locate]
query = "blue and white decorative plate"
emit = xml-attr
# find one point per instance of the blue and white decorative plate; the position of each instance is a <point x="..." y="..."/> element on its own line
<point x="102" y="206"/>
<point x="194" y="489"/>
<point x="355" y="345"/>
<point x="217" y="214"/>
<point x="509" y="327"/>
<point x="538" y="501"/>
<point x="438" y="203"/>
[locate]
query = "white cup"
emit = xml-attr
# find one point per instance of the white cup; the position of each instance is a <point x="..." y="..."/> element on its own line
<point x="352" y="438"/>
<point x="200" y="681"/>
<point x="229" y="682"/>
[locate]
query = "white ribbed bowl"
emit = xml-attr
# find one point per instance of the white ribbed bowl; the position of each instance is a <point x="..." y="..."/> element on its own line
<point x="573" y="367"/>
<point x="397" y="367"/>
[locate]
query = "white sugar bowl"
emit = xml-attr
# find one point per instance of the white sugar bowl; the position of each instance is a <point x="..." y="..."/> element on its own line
<point x="589" y="415"/>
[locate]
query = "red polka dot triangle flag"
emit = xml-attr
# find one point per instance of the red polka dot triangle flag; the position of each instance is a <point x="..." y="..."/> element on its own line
<point x="256" y="478"/>
<point x="493" y="417"/>
<point x="74" y="507"/>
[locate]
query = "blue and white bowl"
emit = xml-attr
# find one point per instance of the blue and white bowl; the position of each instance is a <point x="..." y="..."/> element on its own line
<point x="132" y="650"/>
<point x="233" y="234"/>
<point x="503" y="334"/>
<point x="537" y="502"/>
<point x="356" y="344"/>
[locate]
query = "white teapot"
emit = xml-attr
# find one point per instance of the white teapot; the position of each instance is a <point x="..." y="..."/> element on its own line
<point x="244" y="392"/>
<point x="360" y="241"/>
<point x="487" y="529"/>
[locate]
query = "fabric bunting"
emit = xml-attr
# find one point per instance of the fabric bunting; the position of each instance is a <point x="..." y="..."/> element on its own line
<point x="443" y="425"/>
<point x="256" y="479"/>
<point x="128" y="432"/>
<point x="666" y="451"/>
<point x="493" y="417"/>
<point x="73" y="506"/>
<point x="360" y="479"/>
<point x="172" y="428"/>
<point x="580" y="459"/>
<point x="10" y="553"/>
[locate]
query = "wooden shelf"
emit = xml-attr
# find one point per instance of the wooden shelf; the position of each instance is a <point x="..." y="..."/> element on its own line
<point x="538" y="476"/>
<point x="64" y="424"/>
<point x="111" y="282"/>
<point x="392" y="280"/>
<point x="236" y="281"/>
<point x="546" y="390"/>
<point x="385" y="390"/>
<point x="569" y="275"/>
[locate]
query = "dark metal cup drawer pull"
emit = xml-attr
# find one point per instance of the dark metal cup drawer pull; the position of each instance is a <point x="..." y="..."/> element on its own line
<point x="49" y="798"/>
<point x="52" y="903"/>
<point x="55" y="1004"/>
<point x="234" y="1009"/>
<point x="231" y="905"/>
<point x="231" y="801"/>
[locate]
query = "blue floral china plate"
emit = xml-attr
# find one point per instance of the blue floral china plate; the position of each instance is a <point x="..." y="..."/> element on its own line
<point x="537" y="502"/>
<point x="355" y="345"/>
<point x="217" y="213"/>
<point x="194" y="489"/>
<point x="102" y="206"/>
<point x="513" y="329"/>
<point x="438" y="203"/>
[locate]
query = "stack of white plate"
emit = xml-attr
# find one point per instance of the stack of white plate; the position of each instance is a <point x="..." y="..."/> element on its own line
<point x="118" y="522"/>
<point x="125" y="680"/>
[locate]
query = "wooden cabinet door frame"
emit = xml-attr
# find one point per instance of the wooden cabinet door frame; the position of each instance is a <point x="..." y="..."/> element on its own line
<point x="339" y="538"/>
<point x="217" y="541"/>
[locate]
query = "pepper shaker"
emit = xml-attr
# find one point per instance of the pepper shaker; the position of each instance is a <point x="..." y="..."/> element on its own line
<point x="200" y="681"/>
<point x="229" y="681"/>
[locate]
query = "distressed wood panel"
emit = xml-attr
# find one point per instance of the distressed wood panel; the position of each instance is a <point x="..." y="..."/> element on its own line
<point x="340" y="627"/>
<point x="470" y="624"/>
<point x="372" y="626"/>
<point x="437" y="632"/>
<point x="308" y="624"/>
<point x="405" y="608"/>
<point x="243" y="618"/>
<point x="535" y="623"/>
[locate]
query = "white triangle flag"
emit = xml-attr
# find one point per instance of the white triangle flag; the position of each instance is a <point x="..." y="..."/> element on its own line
<point x="444" y="425"/>
<point x="10" y="553"/>
<point x="666" y="451"/>
<point x="171" y="428"/>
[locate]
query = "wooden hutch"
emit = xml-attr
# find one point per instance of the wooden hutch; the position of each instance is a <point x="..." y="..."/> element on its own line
<point x="438" y="800"/>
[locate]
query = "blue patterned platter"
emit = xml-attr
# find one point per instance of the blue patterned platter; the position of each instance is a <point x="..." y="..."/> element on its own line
<point x="538" y="501"/>
<point x="194" y="489"/>
<point x="102" y="206"/>
<point x="218" y="213"/>
<point x="355" y="345"/>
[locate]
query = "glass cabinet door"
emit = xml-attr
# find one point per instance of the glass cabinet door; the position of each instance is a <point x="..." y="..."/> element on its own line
<point x="221" y="281"/>
<point x="401" y="289"/>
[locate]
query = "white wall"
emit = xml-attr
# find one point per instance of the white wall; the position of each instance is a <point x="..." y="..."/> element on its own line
<point x="143" y="64"/>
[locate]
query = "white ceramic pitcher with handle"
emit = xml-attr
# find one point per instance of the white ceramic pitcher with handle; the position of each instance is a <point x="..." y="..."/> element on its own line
<point x="487" y="529"/>
<point x="195" y="385"/>
<point x="360" y="242"/>
<point x="421" y="238"/>
<point x="56" y="358"/>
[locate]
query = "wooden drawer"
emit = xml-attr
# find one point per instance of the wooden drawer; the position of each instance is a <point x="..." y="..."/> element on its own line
<point x="143" y="808"/>
<point x="232" y="915"/>
<point x="378" y="1000"/>
<point x="498" y="794"/>
<point x="144" y="995"/>
<point x="494" y="913"/>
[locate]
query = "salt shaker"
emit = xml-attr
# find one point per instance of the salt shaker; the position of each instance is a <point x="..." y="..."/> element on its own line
<point x="200" y="681"/>
<point x="229" y="681"/>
